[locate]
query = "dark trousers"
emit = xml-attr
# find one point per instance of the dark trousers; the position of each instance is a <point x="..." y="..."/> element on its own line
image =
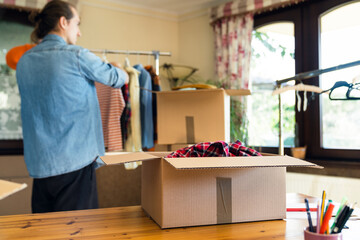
<point x="71" y="191"/>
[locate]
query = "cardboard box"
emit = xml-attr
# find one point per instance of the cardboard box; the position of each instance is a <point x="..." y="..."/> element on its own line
<point x="179" y="192"/>
<point x="7" y="188"/>
<point x="195" y="116"/>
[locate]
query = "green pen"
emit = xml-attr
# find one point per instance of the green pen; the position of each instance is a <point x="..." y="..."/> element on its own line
<point x="342" y="204"/>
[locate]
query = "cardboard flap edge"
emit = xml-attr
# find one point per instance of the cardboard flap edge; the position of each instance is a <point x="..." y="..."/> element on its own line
<point x="238" y="92"/>
<point x="7" y="188"/>
<point x="128" y="157"/>
<point x="238" y="162"/>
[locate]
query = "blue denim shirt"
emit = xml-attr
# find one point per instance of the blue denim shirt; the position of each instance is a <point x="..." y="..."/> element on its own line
<point x="147" y="123"/>
<point x="60" y="112"/>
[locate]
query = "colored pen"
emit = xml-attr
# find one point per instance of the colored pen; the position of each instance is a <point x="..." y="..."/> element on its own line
<point x="327" y="227"/>
<point x="330" y="201"/>
<point x="342" y="204"/>
<point x="318" y="216"/>
<point x="311" y="228"/>
<point x="340" y="219"/>
<point x="352" y="209"/>
<point x="322" y="207"/>
<point x="327" y="217"/>
<point x="345" y="220"/>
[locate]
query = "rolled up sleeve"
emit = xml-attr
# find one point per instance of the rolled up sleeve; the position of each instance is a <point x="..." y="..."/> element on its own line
<point x="94" y="69"/>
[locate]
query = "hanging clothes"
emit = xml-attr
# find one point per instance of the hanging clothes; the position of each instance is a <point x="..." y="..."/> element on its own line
<point x="146" y="114"/>
<point x="112" y="104"/>
<point x="155" y="85"/>
<point x="125" y="117"/>
<point x="133" y="142"/>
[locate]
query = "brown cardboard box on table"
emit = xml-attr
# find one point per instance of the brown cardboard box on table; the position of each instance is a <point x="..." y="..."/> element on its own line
<point x="7" y="188"/>
<point x="195" y="116"/>
<point x="179" y="192"/>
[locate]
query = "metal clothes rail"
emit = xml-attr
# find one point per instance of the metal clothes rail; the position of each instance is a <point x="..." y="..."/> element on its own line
<point x="304" y="76"/>
<point x="154" y="53"/>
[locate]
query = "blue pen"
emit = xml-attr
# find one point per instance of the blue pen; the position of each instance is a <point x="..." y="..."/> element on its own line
<point x="311" y="228"/>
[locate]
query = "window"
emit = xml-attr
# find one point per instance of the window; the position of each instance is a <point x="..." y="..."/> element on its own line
<point x="326" y="33"/>
<point x="15" y="30"/>
<point x="272" y="59"/>
<point x="339" y="44"/>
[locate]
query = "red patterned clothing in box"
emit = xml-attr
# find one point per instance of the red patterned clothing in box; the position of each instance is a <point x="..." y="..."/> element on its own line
<point x="215" y="149"/>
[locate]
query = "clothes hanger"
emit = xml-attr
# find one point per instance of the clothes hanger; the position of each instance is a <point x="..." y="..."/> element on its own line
<point x="104" y="57"/>
<point x="356" y="79"/>
<point x="351" y="88"/>
<point x="298" y="87"/>
<point x="127" y="62"/>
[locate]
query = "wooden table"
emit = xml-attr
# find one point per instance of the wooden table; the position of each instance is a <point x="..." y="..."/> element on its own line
<point x="132" y="223"/>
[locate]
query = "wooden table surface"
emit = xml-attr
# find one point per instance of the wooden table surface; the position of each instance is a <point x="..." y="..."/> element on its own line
<point x="132" y="223"/>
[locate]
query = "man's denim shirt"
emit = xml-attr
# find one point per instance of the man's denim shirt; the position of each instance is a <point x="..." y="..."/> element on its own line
<point x="60" y="113"/>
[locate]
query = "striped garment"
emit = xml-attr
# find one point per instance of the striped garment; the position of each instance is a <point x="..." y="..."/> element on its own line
<point x="112" y="104"/>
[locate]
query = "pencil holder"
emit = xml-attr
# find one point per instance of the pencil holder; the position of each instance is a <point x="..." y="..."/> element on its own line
<point x="316" y="236"/>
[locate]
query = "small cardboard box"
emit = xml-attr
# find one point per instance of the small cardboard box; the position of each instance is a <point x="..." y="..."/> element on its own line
<point x="179" y="192"/>
<point x="7" y="188"/>
<point x="195" y="115"/>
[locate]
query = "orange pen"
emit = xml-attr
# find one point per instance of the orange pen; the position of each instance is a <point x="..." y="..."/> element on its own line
<point x="327" y="217"/>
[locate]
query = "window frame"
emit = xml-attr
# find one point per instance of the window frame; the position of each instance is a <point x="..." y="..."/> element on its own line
<point x="307" y="42"/>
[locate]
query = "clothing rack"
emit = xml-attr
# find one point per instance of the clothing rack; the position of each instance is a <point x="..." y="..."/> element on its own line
<point x="304" y="76"/>
<point x="156" y="54"/>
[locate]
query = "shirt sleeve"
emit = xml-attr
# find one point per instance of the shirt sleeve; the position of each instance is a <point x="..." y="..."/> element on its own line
<point x="94" y="69"/>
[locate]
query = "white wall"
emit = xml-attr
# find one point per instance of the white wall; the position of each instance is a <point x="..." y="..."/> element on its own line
<point x="313" y="185"/>
<point x="196" y="43"/>
<point x="106" y="24"/>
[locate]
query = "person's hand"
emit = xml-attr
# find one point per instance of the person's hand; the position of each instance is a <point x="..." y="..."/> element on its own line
<point x="118" y="65"/>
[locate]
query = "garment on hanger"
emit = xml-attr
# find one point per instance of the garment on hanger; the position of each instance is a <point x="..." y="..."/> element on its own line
<point x="125" y="117"/>
<point x="133" y="142"/>
<point x="112" y="104"/>
<point x="155" y="85"/>
<point x="299" y="88"/>
<point x="146" y="114"/>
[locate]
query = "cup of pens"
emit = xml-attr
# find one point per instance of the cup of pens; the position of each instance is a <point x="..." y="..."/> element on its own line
<point x="322" y="229"/>
<point x="317" y="236"/>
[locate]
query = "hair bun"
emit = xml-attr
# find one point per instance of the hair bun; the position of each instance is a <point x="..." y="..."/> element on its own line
<point x="35" y="16"/>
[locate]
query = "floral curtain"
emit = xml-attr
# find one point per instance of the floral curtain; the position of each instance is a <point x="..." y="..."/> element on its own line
<point x="233" y="50"/>
<point x="241" y="7"/>
<point x="233" y="25"/>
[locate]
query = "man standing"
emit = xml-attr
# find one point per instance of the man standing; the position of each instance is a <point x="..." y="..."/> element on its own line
<point x="60" y="113"/>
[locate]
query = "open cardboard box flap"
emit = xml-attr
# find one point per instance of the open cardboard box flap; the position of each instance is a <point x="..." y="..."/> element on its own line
<point x="230" y="92"/>
<point x="7" y="188"/>
<point x="209" y="162"/>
